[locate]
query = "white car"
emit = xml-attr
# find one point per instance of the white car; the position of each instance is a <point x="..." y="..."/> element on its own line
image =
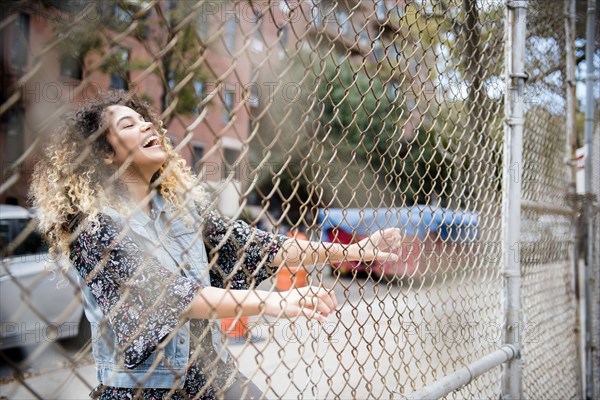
<point x="38" y="303"/>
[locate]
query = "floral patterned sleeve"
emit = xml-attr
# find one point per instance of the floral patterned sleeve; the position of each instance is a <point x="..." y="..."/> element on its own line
<point x="141" y="300"/>
<point x="244" y="254"/>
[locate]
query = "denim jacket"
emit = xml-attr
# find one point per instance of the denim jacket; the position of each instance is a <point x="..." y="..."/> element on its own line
<point x="160" y="252"/>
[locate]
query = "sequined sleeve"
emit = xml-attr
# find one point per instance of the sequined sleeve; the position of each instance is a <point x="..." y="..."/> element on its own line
<point x="242" y="255"/>
<point x="141" y="300"/>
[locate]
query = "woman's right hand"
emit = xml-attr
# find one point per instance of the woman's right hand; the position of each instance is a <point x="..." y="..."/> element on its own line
<point x="311" y="302"/>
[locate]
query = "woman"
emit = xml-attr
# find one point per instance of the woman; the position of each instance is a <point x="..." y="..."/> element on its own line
<point x="115" y="197"/>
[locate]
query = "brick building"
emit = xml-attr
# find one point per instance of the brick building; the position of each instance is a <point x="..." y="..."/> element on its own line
<point x="40" y="76"/>
<point x="225" y="81"/>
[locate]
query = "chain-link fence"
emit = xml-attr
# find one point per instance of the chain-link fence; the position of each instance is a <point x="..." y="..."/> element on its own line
<point x="324" y="120"/>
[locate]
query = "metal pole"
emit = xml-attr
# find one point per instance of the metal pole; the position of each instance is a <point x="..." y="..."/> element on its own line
<point x="589" y="128"/>
<point x="571" y="178"/>
<point x="513" y="152"/>
<point x="463" y="376"/>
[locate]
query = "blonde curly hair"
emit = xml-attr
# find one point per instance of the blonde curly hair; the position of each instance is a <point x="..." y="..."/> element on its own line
<point x="71" y="182"/>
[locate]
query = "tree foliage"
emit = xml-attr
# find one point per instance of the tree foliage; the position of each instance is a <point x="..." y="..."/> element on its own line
<point x="344" y="144"/>
<point x="174" y="48"/>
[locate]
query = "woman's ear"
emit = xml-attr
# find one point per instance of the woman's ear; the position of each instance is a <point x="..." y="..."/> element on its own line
<point x="108" y="158"/>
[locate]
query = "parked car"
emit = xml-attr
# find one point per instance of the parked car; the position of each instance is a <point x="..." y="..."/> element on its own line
<point x="433" y="238"/>
<point x="37" y="301"/>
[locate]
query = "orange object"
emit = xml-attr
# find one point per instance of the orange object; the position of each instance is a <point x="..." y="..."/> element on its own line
<point x="235" y="327"/>
<point x="289" y="277"/>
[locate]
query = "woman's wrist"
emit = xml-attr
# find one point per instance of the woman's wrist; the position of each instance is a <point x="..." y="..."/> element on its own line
<point x="346" y="252"/>
<point x="271" y="305"/>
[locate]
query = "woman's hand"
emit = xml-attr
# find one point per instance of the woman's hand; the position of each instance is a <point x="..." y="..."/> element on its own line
<point x="376" y="247"/>
<point x="311" y="302"/>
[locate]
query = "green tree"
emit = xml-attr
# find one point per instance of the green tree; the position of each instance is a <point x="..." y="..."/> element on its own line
<point x="173" y="47"/>
<point x="342" y="145"/>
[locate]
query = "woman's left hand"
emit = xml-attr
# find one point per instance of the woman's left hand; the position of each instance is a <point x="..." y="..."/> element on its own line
<point x="377" y="247"/>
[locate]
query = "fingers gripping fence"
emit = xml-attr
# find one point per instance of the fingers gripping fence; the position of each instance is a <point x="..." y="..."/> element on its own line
<point x="309" y="130"/>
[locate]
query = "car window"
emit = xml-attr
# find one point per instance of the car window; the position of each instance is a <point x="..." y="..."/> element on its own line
<point x="33" y="243"/>
<point x="4" y="236"/>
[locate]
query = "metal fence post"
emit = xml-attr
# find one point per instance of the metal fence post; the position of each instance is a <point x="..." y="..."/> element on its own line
<point x="571" y="170"/>
<point x="512" y="171"/>
<point x="589" y="128"/>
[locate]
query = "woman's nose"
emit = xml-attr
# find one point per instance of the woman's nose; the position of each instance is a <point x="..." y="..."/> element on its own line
<point x="146" y="126"/>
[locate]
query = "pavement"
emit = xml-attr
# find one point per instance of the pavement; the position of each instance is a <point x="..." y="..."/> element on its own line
<point x="385" y="339"/>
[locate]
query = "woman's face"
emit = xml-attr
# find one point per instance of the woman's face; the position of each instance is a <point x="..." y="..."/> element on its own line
<point x="134" y="141"/>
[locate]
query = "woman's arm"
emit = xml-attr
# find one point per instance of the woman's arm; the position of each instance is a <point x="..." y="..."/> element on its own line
<point x="296" y="252"/>
<point x="311" y="302"/>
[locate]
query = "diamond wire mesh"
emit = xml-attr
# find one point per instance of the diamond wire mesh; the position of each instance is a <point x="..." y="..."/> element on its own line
<point x="595" y="272"/>
<point x="335" y="119"/>
<point x="550" y="350"/>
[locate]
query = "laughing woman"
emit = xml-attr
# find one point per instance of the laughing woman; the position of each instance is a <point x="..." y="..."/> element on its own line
<point x="156" y="266"/>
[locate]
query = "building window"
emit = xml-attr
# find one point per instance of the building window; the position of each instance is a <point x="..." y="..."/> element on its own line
<point x="19" y="46"/>
<point x="253" y="95"/>
<point x="13" y="147"/>
<point x="200" y="92"/>
<point x="117" y="81"/>
<point x="230" y="163"/>
<point x="118" y="77"/>
<point x="283" y="36"/>
<point x="197" y="154"/>
<point x="228" y="97"/>
<point x="257" y="40"/>
<point x="71" y="66"/>
<point x="230" y="31"/>
<point x="204" y="23"/>
<point x="252" y="90"/>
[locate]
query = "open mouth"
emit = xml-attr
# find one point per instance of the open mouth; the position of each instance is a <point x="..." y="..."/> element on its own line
<point x="151" y="142"/>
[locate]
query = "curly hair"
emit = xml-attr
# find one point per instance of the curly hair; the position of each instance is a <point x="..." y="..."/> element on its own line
<point x="71" y="182"/>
